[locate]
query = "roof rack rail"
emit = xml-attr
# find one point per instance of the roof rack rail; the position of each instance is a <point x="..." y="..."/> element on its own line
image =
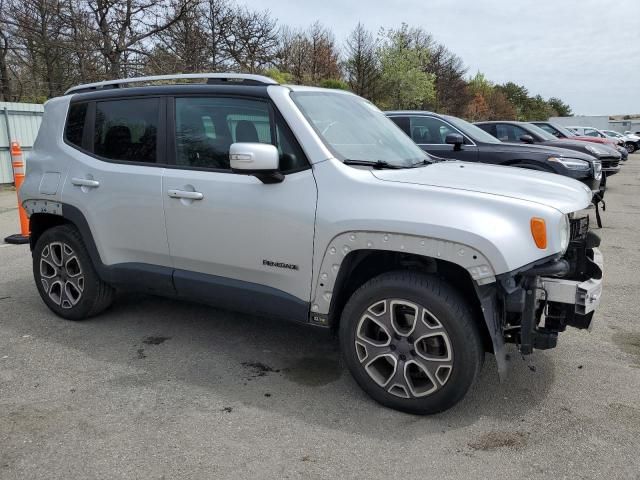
<point x="212" y="78"/>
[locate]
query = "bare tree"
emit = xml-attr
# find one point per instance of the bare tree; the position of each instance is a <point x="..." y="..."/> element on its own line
<point x="310" y="56"/>
<point x="254" y="40"/>
<point x="324" y="56"/>
<point x="5" y="42"/>
<point x="184" y="45"/>
<point x="83" y="40"/>
<point x="124" y="25"/>
<point x="293" y="53"/>
<point x="452" y="96"/>
<point x="41" y="47"/>
<point x="219" y="17"/>
<point x="361" y="65"/>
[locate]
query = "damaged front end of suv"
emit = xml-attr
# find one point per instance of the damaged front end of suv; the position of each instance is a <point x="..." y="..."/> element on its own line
<point x="535" y="303"/>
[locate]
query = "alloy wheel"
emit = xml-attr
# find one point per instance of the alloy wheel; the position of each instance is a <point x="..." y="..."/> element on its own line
<point x="61" y="274"/>
<point x="404" y="348"/>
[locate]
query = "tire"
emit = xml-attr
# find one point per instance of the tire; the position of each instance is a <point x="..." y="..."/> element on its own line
<point x="65" y="276"/>
<point x="439" y="357"/>
<point x="631" y="147"/>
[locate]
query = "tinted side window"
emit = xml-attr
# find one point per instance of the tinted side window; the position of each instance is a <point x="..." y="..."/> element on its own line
<point x="490" y="128"/>
<point x="206" y="128"/>
<point x="74" y="129"/>
<point x="404" y="123"/>
<point x="509" y="133"/>
<point x="548" y="128"/>
<point x="430" y="131"/>
<point x="127" y="129"/>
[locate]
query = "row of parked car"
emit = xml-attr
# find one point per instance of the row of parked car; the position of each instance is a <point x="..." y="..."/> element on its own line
<point x="542" y="146"/>
<point x="630" y="141"/>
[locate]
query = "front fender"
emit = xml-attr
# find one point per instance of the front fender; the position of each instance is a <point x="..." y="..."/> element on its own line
<point x="478" y="266"/>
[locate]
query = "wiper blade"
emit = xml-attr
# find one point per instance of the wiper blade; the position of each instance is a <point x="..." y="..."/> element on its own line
<point x="378" y="164"/>
<point x="425" y="161"/>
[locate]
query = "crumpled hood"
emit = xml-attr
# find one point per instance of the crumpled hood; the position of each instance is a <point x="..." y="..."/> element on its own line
<point x="562" y="193"/>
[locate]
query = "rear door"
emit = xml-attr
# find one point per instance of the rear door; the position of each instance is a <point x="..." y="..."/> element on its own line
<point x="234" y="240"/>
<point x="430" y="133"/>
<point x="115" y="179"/>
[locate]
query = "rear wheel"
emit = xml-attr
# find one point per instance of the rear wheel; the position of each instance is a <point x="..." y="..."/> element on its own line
<point x="410" y="342"/>
<point x="65" y="277"/>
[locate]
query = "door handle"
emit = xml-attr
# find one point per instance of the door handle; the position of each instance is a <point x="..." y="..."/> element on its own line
<point x="85" y="182"/>
<point x="185" y="194"/>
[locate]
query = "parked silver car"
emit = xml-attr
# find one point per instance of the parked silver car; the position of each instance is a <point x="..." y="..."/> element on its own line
<point x="309" y="205"/>
<point x="631" y="141"/>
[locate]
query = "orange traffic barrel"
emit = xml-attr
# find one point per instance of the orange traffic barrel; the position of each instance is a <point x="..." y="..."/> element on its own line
<point x="17" y="162"/>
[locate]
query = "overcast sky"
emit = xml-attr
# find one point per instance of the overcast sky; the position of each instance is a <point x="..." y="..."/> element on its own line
<point x="586" y="52"/>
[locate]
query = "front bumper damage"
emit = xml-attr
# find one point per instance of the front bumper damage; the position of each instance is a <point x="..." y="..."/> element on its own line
<point x="531" y="306"/>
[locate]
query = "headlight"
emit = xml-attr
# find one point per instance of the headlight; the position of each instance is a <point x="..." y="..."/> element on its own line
<point x="571" y="163"/>
<point x="597" y="170"/>
<point x="564" y="234"/>
<point x="597" y="151"/>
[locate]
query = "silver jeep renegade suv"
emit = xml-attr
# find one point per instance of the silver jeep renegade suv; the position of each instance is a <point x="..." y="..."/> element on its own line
<point x="310" y="205"/>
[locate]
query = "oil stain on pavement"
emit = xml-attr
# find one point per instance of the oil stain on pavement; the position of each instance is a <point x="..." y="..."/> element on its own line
<point x="313" y="371"/>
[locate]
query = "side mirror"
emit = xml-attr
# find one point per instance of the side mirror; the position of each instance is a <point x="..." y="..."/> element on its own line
<point x="258" y="159"/>
<point x="454" y="139"/>
<point x="526" y="139"/>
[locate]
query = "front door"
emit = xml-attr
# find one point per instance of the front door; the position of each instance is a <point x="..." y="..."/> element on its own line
<point x="234" y="240"/>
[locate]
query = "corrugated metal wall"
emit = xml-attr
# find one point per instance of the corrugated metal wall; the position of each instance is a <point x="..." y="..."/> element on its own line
<point x="19" y="122"/>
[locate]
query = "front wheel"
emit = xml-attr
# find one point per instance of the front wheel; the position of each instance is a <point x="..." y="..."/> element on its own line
<point x="631" y="147"/>
<point x="410" y="341"/>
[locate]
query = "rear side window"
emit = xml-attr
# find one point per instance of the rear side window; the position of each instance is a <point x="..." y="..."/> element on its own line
<point x="509" y="133"/>
<point x="127" y="129"/>
<point x="74" y="129"/>
<point x="429" y="131"/>
<point x="547" y="128"/>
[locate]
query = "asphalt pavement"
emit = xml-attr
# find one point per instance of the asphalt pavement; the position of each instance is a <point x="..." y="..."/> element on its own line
<point x="158" y="388"/>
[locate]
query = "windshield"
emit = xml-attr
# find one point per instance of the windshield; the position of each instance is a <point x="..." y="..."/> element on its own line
<point x="354" y="129"/>
<point x="540" y="132"/>
<point x="471" y="130"/>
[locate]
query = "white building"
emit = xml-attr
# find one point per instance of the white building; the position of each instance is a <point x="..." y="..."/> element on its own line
<point x="600" y="122"/>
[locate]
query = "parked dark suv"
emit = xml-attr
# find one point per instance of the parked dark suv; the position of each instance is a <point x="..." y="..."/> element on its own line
<point x="524" y="132"/>
<point x="454" y="138"/>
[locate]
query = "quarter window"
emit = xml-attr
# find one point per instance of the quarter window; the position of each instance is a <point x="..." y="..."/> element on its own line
<point x="206" y="128"/>
<point x="74" y="130"/>
<point x="127" y="129"/>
